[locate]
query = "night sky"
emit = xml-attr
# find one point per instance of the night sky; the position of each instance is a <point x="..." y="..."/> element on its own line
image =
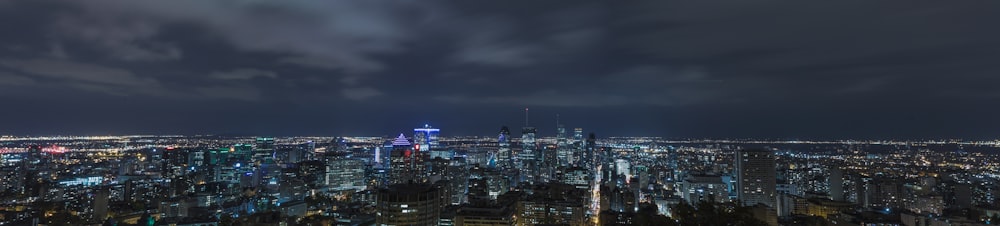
<point x="674" y="68"/>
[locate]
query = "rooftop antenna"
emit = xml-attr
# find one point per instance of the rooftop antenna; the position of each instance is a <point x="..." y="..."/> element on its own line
<point x="525" y="117"/>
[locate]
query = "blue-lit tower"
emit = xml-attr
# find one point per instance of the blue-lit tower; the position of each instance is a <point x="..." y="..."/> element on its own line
<point x="504" y="153"/>
<point x="426" y="138"/>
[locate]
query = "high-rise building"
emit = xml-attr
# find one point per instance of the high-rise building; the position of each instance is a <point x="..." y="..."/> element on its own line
<point x="577" y="144"/>
<point x="344" y="172"/>
<point x="755" y="177"/>
<point x="484" y="216"/>
<point x="100" y="203"/>
<point x="528" y="157"/>
<point x="553" y="203"/>
<point x="242" y="153"/>
<point x="704" y="188"/>
<point x="504" y="152"/>
<point x="426" y="138"/>
<point x="263" y="156"/>
<point x="590" y="149"/>
<point x="563" y="152"/>
<point x="836" y="182"/>
<point x="263" y="151"/>
<point x="457" y="175"/>
<point x="486" y="183"/>
<point x="576" y="176"/>
<point x="405" y="165"/>
<point x="408" y="204"/>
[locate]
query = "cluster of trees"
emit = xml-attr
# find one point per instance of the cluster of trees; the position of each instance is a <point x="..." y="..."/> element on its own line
<point x="703" y="213"/>
<point x="708" y="213"/>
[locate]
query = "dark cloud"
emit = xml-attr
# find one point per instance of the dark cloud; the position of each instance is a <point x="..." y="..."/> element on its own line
<point x="674" y="68"/>
<point x="244" y="74"/>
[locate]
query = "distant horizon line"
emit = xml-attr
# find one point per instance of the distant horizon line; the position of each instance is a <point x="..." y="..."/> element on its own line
<point x="668" y="138"/>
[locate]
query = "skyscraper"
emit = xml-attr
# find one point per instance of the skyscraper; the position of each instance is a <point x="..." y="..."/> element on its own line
<point x="242" y="153"/>
<point x="577" y="144"/>
<point x="836" y="182"/>
<point x="528" y="157"/>
<point x="578" y="135"/>
<point x="590" y="152"/>
<point x="263" y="152"/>
<point x="405" y="165"/>
<point x="755" y="177"/>
<point x="563" y="151"/>
<point x="343" y="172"/>
<point x="408" y="204"/>
<point x="426" y="137"/>
<point x="504" y="154"/>
<point x="263" y="157"/>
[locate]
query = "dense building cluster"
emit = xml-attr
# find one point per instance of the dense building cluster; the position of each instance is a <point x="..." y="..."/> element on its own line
<point x="423" y="178"/>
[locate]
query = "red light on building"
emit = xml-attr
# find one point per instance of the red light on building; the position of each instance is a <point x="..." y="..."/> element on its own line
<point x="407" y="153"/>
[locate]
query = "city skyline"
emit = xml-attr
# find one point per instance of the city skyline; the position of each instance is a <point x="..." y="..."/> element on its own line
<point x="772" y="69"/>
<point x="499" y="113"/>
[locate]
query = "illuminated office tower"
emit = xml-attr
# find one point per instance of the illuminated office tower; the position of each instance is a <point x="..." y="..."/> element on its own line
<point x="553" y="203"/>
<point x="408" y="204"/>
<point x="623" y="168"/>
<point x="577" y="144"/>
<point x="486" y="183"/>
<point x="263" y="151"/>
<point x="529" y="156"/>
<point x="242" y="153"/>
<point x="755" y="177"/>
<point x="263" y="156"/>
<point x="344" y="172"/>
<point x="590" y="153"/>
<point x="547" y="163"/>
<point x="504" y="153"/>
<point x="426" y="138"/>
<point x="563" y="152"/>
<point x="405" y="165"/>
<point x="674" y="172"/>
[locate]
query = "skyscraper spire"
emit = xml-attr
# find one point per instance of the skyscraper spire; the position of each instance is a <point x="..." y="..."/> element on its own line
<point x="525" y="117"/>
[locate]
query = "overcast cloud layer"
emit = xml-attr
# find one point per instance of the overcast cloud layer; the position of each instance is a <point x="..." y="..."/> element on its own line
<point x="775" y="69"/>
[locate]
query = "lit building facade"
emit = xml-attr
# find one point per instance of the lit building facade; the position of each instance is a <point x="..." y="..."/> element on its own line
<point x="408" y="204"/>
<point x="345" y="173"/>
<point x="755" y="177"/>
<point x="405" y="164"/>
<point x="528" y="158"/>
<point x="504" y="153"/>
<point x="426" y="138"/>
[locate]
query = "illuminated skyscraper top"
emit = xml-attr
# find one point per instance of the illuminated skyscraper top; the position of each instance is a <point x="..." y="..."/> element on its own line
<point x="426" y="137"/>
<point x="401" y="141"/>
<point x="405" y="163"/>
